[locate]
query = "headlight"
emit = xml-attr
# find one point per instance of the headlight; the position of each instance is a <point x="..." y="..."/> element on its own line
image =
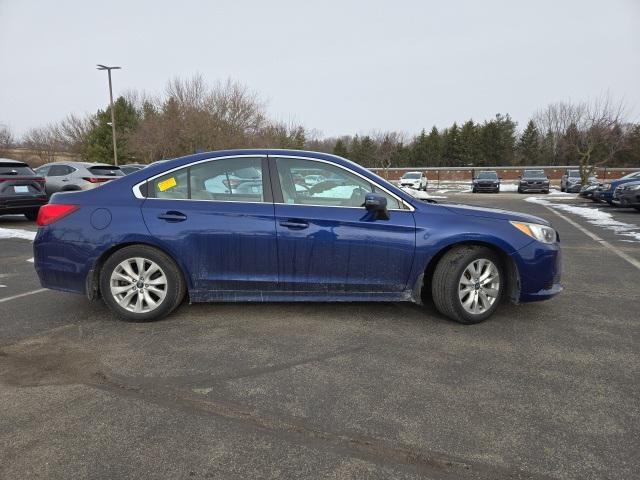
<point x="606" y="186"/>
<point x="542" y="233"/>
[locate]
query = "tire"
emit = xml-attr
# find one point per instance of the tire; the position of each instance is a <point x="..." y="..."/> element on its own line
<point x="167" y="291"/>
<point x="545" y="191"/>
<point x="637" y="208"/>
<point x="473" y="190"/>
<point x="31" y="215"/>
<point x="562" y="189"/>
<point x="520" y="190"/>
<point x="448" y="279"/>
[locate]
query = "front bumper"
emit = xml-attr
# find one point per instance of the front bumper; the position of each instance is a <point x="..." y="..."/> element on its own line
<point x="487" y="187"/>
<point x="627" y="199"/>
<point x="539" y="267"/>
<point x="573" y="187"/>
<point x="533" y="188"/>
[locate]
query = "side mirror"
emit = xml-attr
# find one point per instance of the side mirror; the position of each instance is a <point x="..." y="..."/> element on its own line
<point x="376" y="203"/>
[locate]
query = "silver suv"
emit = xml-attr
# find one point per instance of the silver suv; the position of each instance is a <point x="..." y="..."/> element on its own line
<point x="70" y="176"/>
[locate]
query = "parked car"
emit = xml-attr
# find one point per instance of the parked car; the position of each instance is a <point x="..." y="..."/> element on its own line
<point x="21" y="190"/>
<point x="533" y="181"/>
<point x="369" y="241"/>
<point x="588" y="191"/>
<point x="627" y="195"/>
<point x="72" y="176"/>
<point x="487" y="181"/>
<point x="131" y="167"/>
<point x="415" y="180"/>
<point x="571" y="181"/>
<point x="604" y="193"/>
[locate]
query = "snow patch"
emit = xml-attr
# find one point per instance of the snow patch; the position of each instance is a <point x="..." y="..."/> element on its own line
<point x="594" y="216"/>
<point x="17" y="233"/>
<point x="419" y="194"/>
<point x="508" y="187"/>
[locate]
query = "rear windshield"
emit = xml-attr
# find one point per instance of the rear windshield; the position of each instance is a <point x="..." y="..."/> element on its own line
<point x="107" y="171"/>
<point x="534" y="174"/>
<point x="18" y="169"/>
<point x="411" y="175"/>
<point x="574" y="173"/>
<point x="487" y="175"/>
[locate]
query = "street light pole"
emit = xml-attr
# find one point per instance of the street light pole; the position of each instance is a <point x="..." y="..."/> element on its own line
<point x="113" y="115"/>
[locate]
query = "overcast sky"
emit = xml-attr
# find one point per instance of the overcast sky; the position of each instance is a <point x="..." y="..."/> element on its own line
<point x="341" y="67"/>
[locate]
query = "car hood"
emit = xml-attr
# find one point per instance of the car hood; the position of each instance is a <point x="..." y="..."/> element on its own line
<point x="493" y="213"/>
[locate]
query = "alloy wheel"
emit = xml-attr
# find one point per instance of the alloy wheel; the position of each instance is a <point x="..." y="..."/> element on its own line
<point x="479" y="286"/>
<point x="138" y="284"/>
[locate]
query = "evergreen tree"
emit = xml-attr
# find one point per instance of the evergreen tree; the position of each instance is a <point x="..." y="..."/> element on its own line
<point x="99" y="147"/>
<point x="469" y="151"/>
<point x="451" y="146"/>
<point x="340" y="148"/>
<point x="529" y="148"/>
<point x="434" y="148"/>
<point x="419" y="154"/>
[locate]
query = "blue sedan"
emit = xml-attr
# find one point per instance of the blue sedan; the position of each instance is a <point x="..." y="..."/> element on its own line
<point x="246" y="226"/>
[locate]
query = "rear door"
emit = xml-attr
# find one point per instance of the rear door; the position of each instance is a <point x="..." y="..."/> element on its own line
<point x="328" y="241"/>
<point x="217" y="217"/>
<point x="58" y="178"/>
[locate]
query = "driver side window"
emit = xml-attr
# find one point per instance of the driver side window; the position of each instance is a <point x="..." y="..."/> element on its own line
<point x="308" y="182"/>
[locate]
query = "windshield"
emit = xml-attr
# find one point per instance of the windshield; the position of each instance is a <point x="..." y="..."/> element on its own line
<point x="488" y="175"/>
<point x="534" y="174"/>
<point x="411" y="175"/>
<point x="574" y="173"/>
<point x="18" y="169"/>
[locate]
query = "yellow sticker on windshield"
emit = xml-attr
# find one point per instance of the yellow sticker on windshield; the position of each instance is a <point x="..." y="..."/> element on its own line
<point x="167" y="184"/>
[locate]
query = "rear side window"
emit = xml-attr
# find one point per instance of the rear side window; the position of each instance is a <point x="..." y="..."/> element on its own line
<point x="17" y="169"/>
<point x="106" y="171"/>
<point x="231" y="179"/>
<point x="59" y="170"/>
<point x="173" y="185"/>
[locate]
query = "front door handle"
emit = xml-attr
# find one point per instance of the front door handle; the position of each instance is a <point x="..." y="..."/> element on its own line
<point x="172" y="216"/>
<point x="295" y="224"/>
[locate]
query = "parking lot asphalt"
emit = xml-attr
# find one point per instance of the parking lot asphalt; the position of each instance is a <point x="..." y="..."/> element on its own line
<point x="544" y="390"/>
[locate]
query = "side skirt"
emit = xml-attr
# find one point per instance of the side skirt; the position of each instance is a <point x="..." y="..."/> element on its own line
<point x="199" y="296"/>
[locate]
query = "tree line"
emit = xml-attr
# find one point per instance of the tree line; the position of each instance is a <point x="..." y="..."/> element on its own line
<point x="192" y="116"/>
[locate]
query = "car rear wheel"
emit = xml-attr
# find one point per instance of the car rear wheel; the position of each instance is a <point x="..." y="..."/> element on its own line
<point x="140" y="283"/>
<point x="468" y="284"/>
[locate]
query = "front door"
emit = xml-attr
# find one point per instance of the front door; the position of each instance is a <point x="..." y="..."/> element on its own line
<point x="217" y="216"/>
<point x="328" y="241"/>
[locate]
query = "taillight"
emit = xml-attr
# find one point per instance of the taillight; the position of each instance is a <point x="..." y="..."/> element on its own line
<point x="96" y="180"/>
<point x="53" y="212"/>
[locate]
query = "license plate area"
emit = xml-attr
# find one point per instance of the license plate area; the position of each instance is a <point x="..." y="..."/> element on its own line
<point x="21" y="189"/>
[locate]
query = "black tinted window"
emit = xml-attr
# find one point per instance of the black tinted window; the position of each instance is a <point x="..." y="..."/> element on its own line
<point x="106" y="170"/>
<point x="17" y="169"/>
<point x="59" y="170"/>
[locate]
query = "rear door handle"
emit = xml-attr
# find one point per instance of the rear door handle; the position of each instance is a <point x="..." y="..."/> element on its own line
<point x="173" y="216"/>
<point x="295" y="224"/>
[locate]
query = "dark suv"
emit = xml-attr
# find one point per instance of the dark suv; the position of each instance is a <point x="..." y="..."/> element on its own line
<point x="533" y="181"/>
<point x="487" y="181"/>
<point x="21" y="190"/>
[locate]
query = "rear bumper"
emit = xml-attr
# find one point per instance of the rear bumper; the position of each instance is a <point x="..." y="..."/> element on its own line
<point x="21" y="204"/>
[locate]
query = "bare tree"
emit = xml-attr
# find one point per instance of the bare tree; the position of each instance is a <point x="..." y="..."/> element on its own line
<point x="6" y="139"/>
<point x="44" y="142"/>
<point x="594" y="131"/>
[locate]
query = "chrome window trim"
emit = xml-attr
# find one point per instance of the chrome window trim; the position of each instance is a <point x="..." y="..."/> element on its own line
<point x="138" y="194"/>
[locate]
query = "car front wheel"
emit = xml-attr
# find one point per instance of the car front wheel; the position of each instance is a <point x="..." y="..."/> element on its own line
<point x="140" y="283"/>
<point x="468" y="284"/>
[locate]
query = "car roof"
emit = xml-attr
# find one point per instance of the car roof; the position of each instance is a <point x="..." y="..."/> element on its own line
<point x="16" y="162"/>
<point x="80" y="164"/>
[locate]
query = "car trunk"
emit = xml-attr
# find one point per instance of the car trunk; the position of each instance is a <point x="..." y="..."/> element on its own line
<point x="18" y="181"/>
